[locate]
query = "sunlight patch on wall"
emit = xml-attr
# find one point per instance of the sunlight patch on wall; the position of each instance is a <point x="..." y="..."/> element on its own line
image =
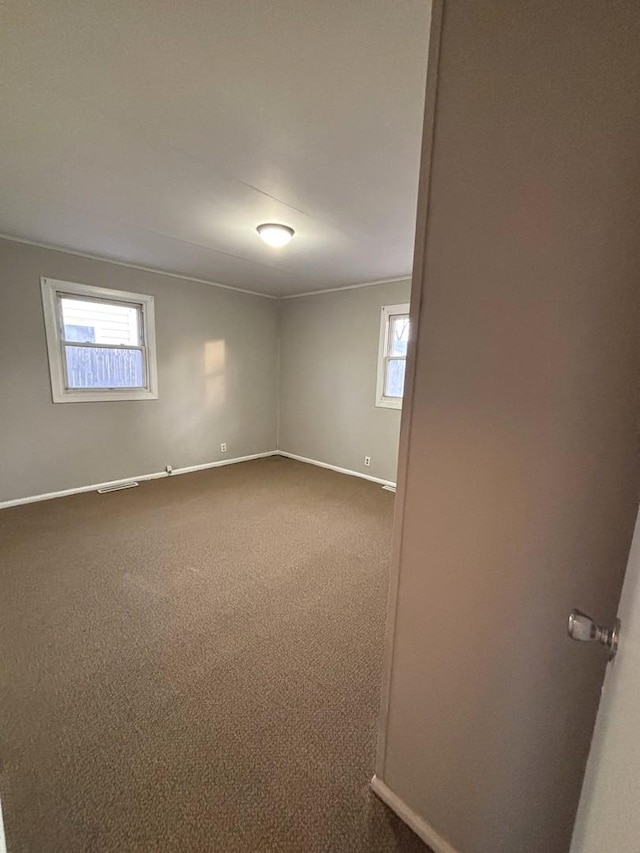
<point x="215" y="358"/>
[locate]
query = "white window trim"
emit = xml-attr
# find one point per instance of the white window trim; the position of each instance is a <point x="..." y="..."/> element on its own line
<point x="51" y="287"/>
<point x="386" y="313"/>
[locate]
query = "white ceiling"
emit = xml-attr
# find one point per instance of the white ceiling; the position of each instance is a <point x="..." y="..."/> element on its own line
<point x="162" y="132"/>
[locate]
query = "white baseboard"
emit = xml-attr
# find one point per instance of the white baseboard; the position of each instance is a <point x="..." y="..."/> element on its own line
<point x="335" y="468"/>
<point x="48" y="496"/>
<point x="421" y="828"/>
<point x="221" y="462"/>
<point x="157" y="475"/>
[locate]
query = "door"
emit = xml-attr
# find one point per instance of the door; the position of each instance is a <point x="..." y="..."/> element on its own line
<point x="608" y="815"/>
<point x="518" y="474"/>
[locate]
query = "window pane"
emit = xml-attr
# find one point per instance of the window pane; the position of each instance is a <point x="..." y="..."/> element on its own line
<point x="394" y="379"/>
<point x="100" y="322"/>
<point x="94" y="367"/>
<point x="398" y="334"/>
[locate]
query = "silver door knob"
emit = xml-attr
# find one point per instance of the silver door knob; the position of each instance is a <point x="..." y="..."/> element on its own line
<point x="584" y="629"/>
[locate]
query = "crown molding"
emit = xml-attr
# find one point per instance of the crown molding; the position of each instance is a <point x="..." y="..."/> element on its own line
<point x="155" y="270"/>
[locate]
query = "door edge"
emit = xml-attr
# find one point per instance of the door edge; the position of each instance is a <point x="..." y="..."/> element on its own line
<point x="417" y="288"/>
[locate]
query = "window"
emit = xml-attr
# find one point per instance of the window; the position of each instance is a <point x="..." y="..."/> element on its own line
<point x="392" y="355"/>
<point x="101" y="343"/>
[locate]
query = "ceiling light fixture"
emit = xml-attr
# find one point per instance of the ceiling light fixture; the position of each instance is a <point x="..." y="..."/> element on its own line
<point x="274" y="234"/>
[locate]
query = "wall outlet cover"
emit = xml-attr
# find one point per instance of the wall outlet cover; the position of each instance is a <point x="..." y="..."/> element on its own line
<point x="367" y="461"/>
<point x="223" y="447"/>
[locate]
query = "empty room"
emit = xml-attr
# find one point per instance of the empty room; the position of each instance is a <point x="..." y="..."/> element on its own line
<point x="318" y="426"/>
<point x="192" y="607"/>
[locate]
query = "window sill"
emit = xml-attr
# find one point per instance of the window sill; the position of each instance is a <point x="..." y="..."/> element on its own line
<point x="97" y="396"/>
<point x="389" y="404"/>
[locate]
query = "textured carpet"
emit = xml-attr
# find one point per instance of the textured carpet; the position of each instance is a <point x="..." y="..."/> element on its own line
<point x="194" y="665"/>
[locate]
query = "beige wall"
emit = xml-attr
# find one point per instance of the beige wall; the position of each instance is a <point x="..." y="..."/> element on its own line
<point x="328" y="364"/>
<point x="217" y="366"/>
<point x="608" y="817"/>
<point x="218" y="380"/>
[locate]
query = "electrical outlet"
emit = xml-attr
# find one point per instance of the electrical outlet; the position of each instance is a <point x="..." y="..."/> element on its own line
<point x="169" y="469"/>
<point x="367" y="461"/>
<point x="223" y="447"/>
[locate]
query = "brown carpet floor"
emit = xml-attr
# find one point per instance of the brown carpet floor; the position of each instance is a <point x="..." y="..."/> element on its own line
<point x="194" y="665"/>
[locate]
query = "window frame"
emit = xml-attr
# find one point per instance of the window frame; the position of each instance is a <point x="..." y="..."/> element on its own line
<point x="52" y="290"/>
<point x="386" y="314"/>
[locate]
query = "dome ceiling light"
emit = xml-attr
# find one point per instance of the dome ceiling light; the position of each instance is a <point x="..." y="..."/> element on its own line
<point x="275" y="235"/>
